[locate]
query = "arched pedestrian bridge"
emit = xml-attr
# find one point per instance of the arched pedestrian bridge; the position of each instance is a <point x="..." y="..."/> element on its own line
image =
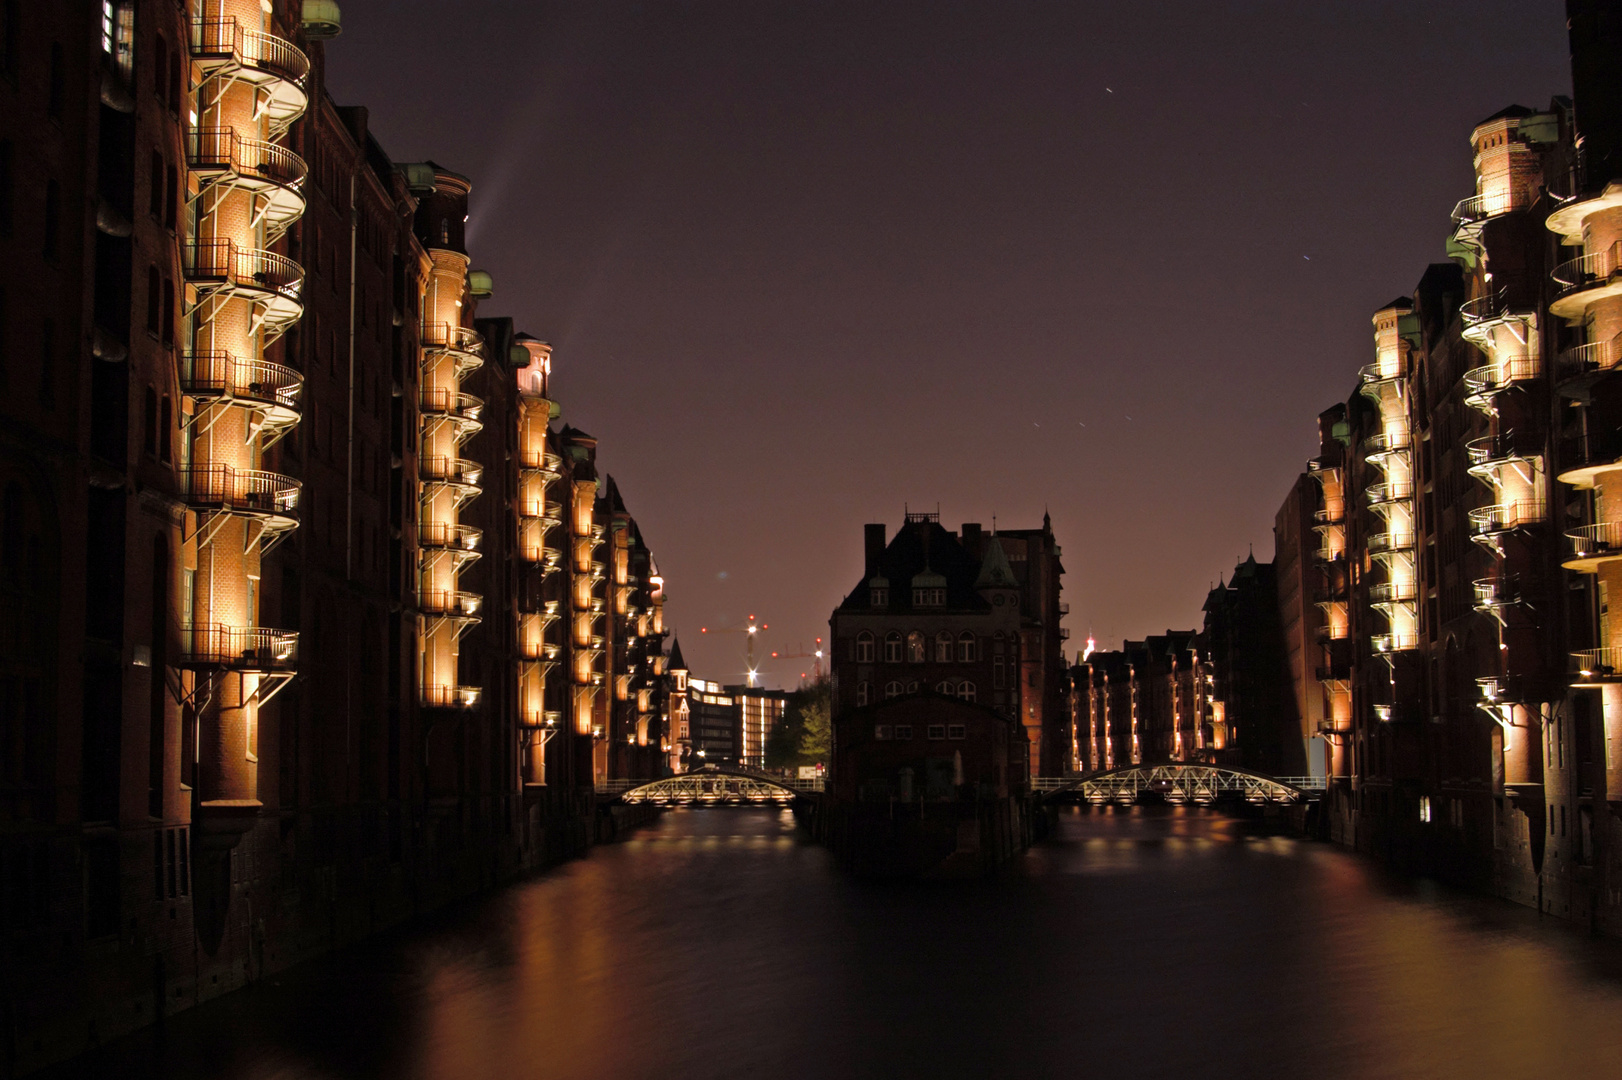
<point x="1182" y="783"/>
<point x="713" y="786"/>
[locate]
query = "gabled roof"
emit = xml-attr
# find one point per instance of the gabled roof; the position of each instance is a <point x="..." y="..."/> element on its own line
<point x="1509" y="112"/>
<point x="918" y="547"/>
<point x="995" y="571"/>
<point x="676" y="662"/>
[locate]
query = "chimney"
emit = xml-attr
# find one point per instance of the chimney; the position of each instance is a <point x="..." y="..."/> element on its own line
<point x="971" y="538"/>
<point x="874" y="535"/>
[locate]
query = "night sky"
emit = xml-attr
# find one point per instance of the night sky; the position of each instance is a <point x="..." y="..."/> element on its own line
<point x="804" y="263"/>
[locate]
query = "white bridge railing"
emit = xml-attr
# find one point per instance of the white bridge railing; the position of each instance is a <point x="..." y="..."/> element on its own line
<point x="1180" y="783"/>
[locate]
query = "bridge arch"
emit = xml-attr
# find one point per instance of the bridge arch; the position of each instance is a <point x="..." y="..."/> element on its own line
<point x="712" y="786"/>
<point x="1180" y="782"/>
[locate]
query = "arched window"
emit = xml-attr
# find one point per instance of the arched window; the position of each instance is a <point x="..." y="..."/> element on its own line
<point x="160" y="67"/>
<point x="965" y="690"/>
<point x="150" y="416"/>
<point x="166" y="420"/>
<point x="893" y="689"/>
<point x="864" y="648"/>
<point x="861" y="693"/>
<point x="999" y="672"/>
<point x="892" y="647"/>
<point x="944" y="687"/>
<point x="915" y="647"/>
<point x="912" y="687"/>
<point x="168" y="311"/>
<point x="154" y="292"/>
<point x="943" y="647"/>
<point x="965" y="648"/>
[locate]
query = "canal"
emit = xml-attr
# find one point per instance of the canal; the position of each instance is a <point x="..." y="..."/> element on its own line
<point x="1145" y="942"/>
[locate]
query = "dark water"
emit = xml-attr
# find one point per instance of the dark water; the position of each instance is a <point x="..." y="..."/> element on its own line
<point x="1151" y="942"/>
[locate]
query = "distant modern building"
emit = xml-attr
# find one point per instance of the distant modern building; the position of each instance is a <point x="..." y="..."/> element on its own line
<point x="724" y="724"/>
<point x="1142" y="703"/>
<point x="971" y="615"/>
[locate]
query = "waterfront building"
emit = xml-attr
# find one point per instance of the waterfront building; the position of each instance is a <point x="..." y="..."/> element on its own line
<point x="1466" y="674"/>
<point x="1144" y="702"/>
<point x="307" y="607"/>
<point x="973" y="615"/>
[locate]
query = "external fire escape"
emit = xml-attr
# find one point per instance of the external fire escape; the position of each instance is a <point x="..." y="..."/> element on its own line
<point x="245" y="192"/>
<point x="539" y="467"/>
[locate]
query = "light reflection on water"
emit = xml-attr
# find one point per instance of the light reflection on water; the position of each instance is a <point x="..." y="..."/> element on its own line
<point x="1137" y="942"/>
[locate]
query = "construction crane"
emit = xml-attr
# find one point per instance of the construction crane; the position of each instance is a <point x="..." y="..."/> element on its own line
<point x="816" y="659"/>
<point x="749" y="630"/>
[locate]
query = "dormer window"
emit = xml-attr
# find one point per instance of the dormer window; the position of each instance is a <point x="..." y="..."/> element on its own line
<point x="931" y="597"/>
<point x="879" y="596"/>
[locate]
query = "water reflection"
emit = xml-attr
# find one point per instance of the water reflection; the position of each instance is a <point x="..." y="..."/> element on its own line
<point x="1139" y="942"/>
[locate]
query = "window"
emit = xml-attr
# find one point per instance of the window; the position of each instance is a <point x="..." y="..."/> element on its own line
<point x="1424" y="808"/>
<point x="955" y="731"/>
<point x="912" y="687"/>
<point x="168" y="311"/>
<point x="965" y="648"/>
<point x="879" y="596"/>
<point x="154" y="301"/>
<point x="893" y="689"/>
<point x="47" y="364"/>
<point x="107" y="25"/>
<point x="937" y="731"/>
<point x="943" y="647"/>
<point x="915" y="647"/>
<point x="944" y="687"/>
<point x="150" y="415"/>
<point x="154" y="187"/>
<point x="965" y="690"/>
<point x="999" y="672"/>
<point x="171" y="188"/>
<point x="892" y="647"/>
<point x="903" y="731"/>
<point x="864" y="648"/>
<point x="166" y="421"/>
<point x="882" y="732"/>
<point x="929" y="597"/>
<point x="160" y="67"/>
<point x="861" y="693"/>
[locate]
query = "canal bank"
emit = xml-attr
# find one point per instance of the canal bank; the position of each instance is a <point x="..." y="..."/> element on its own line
<point x="1142" y="941"/>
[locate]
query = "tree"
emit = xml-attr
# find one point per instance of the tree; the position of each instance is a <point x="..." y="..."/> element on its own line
<point x="802" y="736"/>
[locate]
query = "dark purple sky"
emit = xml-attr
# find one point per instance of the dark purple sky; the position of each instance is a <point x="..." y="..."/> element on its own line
<point x="803" y="263"/>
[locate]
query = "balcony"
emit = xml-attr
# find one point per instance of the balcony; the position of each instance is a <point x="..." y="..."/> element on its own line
<point x="459" y="342"/>
<point x="1484" y="314"/>
<point x="1584" y="459"/>
<point x="1579" y="368"/>
<point x="1385" y="443"/>
<point x="542" y="461"/>
<point x="1490" y="453"/>
<point x="1386" y="494"/>
<point x="452" y="471"/>
<point x="1328" y="553"/>
<point x="1381" y="378"/>
<point x="450" y="603"/>
<point x="440" y="535"/>
<point x="548" y="514"/>
<point x="1386" y="644"/>
<point x="220" y="489"/>
<point x="1592" y="545"/>
<point x="273" y="173"/>
<point x="440" y="405"/>
<point x="1490" y="521"/>
<point x="1483" y="384"/>
<point x="220" y="377"/>
<point x="1321" y="467"/>
<point x="1480" y="208"/>
<point x="1581" y="282"/>
<point x="1389" y="542"/>
<point x="438" y="696"/>
<point x="1594" y="667"/>
<point x="1494" y="596"/>
<point x="1332" y="514"/>
<point x="225" y="49"/>
<point x="1393" y="592"/>
<point x="264" y="278"/>
<point x="217" y="647"/>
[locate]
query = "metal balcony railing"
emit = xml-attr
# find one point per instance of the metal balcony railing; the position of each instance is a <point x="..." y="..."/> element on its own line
<point x="221" y="262"/>
<point x="440" y="534"/>
<point x="1319" y="465"/>
<point x="1481" y="207"/>
<point x="1393" y="592"/>
<point x="1482" y="384"/>
<point x="1596" y="541"/>
<point x="452" y="470"/>
<point x="1588" y="359"/>
<point x="226" y="40"/>
<point x="239" y="491"/>
<point x="222" y="375"/>
<point x="1491" y="451"/>
<point x="1600" y="445"/>
<point x="238" y="648"/>
<point x="1491" y="593"/>
<point x="451" y="697"/>
<point x="1504" y="517"/>
<point x="1597" y="663"/>
<point x="1332" y="514"/>
<point x="1587" y="271"/>
<point x="446" y="337"/>
<point x="1385" y="442"/>
<point x="1390" y="643"/>
<point x="1375" y="374"/>
<point x="1328" y="554"/>
<point x="1384" y="542"/>
<point x="1389" y="492"/>
<point x="451" y="602"/>
<point x="221" y="150"/>
<point x="438" y="401"/>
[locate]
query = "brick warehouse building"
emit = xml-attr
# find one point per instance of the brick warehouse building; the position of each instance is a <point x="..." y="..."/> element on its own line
<point x="1466" y="540"/>
<point x="971" y="615"/>
<point x="312" y="616"/>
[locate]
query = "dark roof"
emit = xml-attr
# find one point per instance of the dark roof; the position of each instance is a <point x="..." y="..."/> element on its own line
<point x="918" y="545"/>
<point x="1511" y="112"/>
<point x="1402" y="303"/>
<point x="676" y="662"/>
